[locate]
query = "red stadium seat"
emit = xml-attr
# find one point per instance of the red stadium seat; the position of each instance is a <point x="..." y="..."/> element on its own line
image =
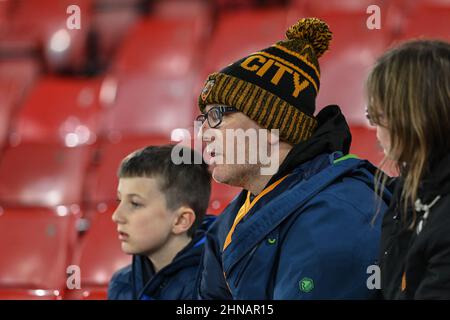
<point x="155" y="74"/>
<point x="43" y="175"/>
<point x="36" y="24"/>
<point x="36" y="246"/>
<point x="5" y="11"/>
<point x="16" y="77"/>
<point x="240" y="33"/>
<point x="320" y="7"/>
<point x="181" y="8"/>
<point x="117" y="3"/>
<point x="146" y="106"/>
<point x="223" y="5"/>
<point x="163" y="47"/>
<point x="98" y="256"/>
<point x="60" y="110"/>
<point x="201" y="10"/>
<point x="111" y="25"/>
<point x="87" y="293"/>
<point x="425" y="19"/>
<point x="28" y="294"/>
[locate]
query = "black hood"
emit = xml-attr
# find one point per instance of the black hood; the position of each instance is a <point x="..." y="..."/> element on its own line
<point x="436" y="180"/>
<point x="332" y="134"/>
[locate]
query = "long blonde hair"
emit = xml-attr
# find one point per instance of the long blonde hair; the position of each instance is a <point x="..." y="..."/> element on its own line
<point x="410" y="88"/>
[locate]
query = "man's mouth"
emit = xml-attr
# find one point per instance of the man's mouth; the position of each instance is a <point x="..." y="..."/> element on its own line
<point x="123" y="236"/>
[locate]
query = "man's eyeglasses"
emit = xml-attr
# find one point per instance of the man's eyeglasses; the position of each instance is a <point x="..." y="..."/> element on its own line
<point x="215" y="115"/>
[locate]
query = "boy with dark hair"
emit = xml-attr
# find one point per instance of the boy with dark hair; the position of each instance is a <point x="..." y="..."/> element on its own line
<point x="161" y="222"/>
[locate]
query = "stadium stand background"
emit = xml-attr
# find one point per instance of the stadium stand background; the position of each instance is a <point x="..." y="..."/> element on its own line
<point x="73" y="103"/>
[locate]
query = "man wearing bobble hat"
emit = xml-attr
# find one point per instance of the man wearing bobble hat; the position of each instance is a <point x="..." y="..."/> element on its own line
<point x="305" y="232"/>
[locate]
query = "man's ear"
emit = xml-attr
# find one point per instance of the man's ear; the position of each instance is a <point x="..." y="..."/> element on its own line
<point x="185" y="218"/>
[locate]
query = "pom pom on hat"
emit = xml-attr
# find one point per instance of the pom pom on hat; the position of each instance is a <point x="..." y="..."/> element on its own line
<point x="312" y="30"/>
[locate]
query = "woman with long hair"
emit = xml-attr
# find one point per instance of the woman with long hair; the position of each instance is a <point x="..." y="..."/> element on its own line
<point x="408" y="94"/>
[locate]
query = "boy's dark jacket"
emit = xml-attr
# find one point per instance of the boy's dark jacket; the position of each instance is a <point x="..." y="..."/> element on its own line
<point x="174" y="282"/>
<point x="423" y="259"/>
<point x="309" y="238"/>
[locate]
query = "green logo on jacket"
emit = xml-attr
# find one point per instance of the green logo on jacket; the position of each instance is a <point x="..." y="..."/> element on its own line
<point x="306" y="285"/>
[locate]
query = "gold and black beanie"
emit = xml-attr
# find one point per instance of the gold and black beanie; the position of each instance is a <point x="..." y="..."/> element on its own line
<point x="277" y="86"/>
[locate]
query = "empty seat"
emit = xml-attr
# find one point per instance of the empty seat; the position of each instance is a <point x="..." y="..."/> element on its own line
<point x="181" y="8"/>
<point x="155" y="72"/>
<point x="5" y="11"/>
<point x="242" y="32"/>
<point x="29" y="294"/>
<point x="36" y="25"/>
<point x="16" y="77"/>
<point x="111" y="4"/>
<point x="163" y="47"/>
<point x="223" y="5"/>
<point x="320" y="7"/>
<point x="43" y="175"/>
<point x="60" y="110"/>
<point x="146" y="106"/>
<point x="425" y="19"/>
<point x="87" y="293"/>
<point x="36" y="246"/>
<point x="201" y="10"/>
<point x="111" y="25"/>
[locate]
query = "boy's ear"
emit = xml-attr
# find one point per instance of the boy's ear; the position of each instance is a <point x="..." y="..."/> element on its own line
<point x="185" y="218"/>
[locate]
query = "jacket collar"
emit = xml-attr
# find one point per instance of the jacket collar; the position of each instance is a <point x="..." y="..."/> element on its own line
<point x="280" y="208"/>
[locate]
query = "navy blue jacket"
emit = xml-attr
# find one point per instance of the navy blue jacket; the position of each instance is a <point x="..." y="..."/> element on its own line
<point x="176" y="281"/>
<point x="312" y="237"/>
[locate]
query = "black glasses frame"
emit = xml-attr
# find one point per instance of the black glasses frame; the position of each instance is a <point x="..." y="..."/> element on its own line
<point x="220" y="110"/>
